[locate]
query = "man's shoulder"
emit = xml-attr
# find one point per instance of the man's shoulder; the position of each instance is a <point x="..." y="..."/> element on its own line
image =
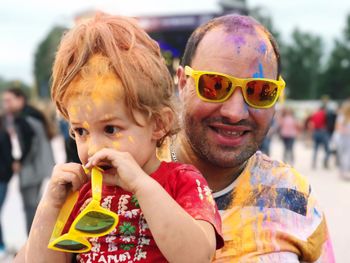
<point x="264" y="170"/>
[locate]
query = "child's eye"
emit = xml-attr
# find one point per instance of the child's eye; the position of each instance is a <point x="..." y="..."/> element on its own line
<point x="80" y="131"/>
<point x="111" y="129"/>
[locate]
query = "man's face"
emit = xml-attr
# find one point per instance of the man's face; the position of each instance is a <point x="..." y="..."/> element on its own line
<point x="226" y="134"/>
<point x="11" y="103"/>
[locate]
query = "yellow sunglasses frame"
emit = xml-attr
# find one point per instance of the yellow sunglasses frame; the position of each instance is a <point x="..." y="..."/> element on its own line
<point x="94" y="206"/>
<point x="238" y="82"/>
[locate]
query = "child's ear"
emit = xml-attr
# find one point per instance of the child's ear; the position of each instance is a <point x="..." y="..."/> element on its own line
<point x="162" y="123"/>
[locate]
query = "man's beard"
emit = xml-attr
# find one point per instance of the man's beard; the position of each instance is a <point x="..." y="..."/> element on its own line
<point x="218" y="155"/>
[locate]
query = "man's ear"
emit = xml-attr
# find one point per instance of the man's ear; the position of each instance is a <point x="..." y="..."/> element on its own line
<point x="163" y="123"/>
<point x="181" y="76"/>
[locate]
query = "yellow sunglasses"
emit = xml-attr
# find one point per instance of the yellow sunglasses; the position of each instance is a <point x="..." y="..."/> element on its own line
<point x="93" y="221"/>
<point x="218" y="87"/>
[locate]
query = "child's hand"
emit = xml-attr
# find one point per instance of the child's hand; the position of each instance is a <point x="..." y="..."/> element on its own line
<point x="120" y="168"/>
<point x="64" y="178"/>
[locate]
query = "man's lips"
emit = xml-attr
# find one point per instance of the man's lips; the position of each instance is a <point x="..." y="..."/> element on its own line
<point x="229" y="135"/>
<point x="230" y="130"/>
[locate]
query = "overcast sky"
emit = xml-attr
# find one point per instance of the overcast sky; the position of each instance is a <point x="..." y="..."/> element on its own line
<point x="24" y="24"/>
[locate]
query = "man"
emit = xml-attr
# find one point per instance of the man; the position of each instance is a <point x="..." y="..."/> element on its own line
<point x="268" y="209"/>
<point x="318" y="126"/>
<point x="35" y="157"/>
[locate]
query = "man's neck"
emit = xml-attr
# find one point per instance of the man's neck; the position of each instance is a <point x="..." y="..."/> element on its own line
<point x="217" y="177"/>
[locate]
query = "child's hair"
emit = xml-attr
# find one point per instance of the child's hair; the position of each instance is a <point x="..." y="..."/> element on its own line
<point x="126" y="51"/>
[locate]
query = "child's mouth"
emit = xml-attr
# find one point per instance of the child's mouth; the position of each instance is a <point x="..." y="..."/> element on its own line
<point x="108" y="169"/>
<point x="105" y="167"/>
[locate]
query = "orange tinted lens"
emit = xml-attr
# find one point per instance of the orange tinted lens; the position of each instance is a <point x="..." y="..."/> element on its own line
<point x="261" y="93"/>
<point x="214" y="87"/>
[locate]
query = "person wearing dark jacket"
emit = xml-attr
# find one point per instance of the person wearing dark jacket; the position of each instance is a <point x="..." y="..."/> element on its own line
<point x="36" y="158"/>
<point x="6" y="162"/>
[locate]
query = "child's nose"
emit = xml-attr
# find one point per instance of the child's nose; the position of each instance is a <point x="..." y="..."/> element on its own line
<point x="94" y="146"/>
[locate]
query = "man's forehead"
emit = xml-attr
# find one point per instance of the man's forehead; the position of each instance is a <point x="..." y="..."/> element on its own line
<point x="256" y="38"/>
<point x="244" y="51"/>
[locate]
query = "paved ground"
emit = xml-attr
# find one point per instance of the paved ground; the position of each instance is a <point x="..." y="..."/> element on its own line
<point x="333" y="194"/>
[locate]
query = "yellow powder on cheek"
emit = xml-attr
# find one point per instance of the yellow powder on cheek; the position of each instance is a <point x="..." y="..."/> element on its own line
<point x="116" y="145"/>
<point x="118" y="135"/>
<point x="131" y="139"/>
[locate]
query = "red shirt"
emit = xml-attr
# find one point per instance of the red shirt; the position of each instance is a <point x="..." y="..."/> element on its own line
<point x="131" y="240"/>
<point x="319" y="119"/>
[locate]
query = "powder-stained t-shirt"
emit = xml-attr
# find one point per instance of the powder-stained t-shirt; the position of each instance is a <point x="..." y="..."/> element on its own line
<point x="131" y="240"/>
<point x="270" y="214"/>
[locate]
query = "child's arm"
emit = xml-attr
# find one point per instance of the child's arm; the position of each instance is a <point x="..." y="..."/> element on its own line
<point x="65" y="177"/>
<point x="179" y="237"/>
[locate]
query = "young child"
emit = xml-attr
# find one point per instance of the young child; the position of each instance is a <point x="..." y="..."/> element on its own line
<point x="111" y="83"/>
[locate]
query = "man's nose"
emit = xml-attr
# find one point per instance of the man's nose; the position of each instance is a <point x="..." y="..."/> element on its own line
<point x="235" y="108"/>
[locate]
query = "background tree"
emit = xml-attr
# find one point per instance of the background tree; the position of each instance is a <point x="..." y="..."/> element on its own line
<point x="336" y="77"/>
<point x="43" y="60"/>
<point x="302" y="64"/>
<point x="261" y="15"/>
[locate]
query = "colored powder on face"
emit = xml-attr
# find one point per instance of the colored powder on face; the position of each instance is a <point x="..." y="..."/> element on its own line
<point x="72" y="112"/>
<point x="118" y="135"/>
<point x="116" y="145"/>
<point x="86" y="125"/>
<point x="260" y="73"/>
<point x="131" y="139"/>
<point x="262" y="47"/>
<point x="238" y="41"/>
<point x="98" y="82"/>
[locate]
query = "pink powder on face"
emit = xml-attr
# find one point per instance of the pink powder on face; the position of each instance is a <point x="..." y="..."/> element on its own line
<point x="238" y="41"/>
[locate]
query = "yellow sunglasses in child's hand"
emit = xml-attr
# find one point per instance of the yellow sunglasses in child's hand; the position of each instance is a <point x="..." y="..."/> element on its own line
<point x="93" y="221"/>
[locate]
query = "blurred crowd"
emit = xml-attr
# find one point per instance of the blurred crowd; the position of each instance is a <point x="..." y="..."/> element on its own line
<point x="25" y="149"/>
<point x="26" y="132"/>
<point x="326" y="129"/>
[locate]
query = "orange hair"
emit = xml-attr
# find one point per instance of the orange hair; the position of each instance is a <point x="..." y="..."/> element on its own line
<point x="132" y="56"/>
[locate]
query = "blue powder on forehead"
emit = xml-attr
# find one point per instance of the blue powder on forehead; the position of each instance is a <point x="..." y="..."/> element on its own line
<point x="262" y="47"/>
<point x="260" y="73"/>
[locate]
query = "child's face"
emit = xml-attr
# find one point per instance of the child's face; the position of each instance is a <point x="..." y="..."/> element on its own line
<point x="100" y="120"/>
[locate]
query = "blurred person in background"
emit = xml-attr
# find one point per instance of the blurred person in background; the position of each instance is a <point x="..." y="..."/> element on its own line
<point x="331" y="116"/>
<point x="36" y="157"/>
<point x="288" y="131"/>
<point x="318" y="127"/>
<point x="6" y="166"/>
<point x="69" y="143"/>
<point x="266" y="144"/>
<point x="343" y="139"/>
<point x="269" y="210"/>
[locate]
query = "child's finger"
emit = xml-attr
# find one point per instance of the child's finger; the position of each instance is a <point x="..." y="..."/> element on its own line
<point x="70" y="173"/>
<point x="103" y="155"/>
